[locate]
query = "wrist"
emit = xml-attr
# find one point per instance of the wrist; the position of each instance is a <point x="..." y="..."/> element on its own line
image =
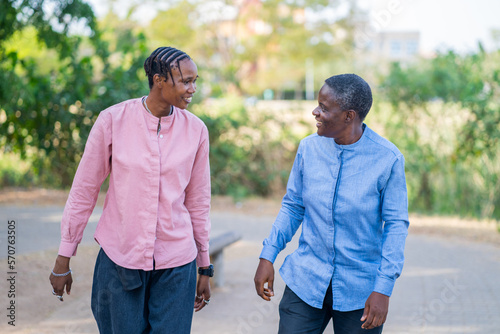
<point x="62" y="274"/>
<point x="62" y="264"/>
<point x="206" y="271"/>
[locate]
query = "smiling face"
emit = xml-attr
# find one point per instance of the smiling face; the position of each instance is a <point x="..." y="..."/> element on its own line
<point x="331" y="121"/>
<point x="178" y="90"/>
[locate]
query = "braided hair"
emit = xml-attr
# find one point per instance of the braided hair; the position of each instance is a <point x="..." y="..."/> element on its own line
<point x="162" y="61"/>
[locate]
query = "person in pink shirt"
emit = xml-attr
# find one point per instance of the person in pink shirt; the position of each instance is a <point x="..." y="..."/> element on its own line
<point x="154" y="228"/>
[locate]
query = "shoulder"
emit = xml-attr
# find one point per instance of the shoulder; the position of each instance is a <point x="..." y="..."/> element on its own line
<point x="119" y="112"/>
<point x="315" y="143"/>
<point x="311" y="140"/>
<point x="383" y="145"/>
<point x="192" y="121"/>
<point x="119" y="109"/>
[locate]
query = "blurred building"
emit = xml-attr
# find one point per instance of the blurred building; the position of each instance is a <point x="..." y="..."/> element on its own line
<point x="394" y="46"/>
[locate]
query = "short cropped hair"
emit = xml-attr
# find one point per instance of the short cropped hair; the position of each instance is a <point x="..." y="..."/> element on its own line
<point x="351" y="93"/>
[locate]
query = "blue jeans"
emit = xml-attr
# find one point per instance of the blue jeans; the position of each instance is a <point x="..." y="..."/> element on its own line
<point x="128" y="301"/>
<point x="297" y="317"/>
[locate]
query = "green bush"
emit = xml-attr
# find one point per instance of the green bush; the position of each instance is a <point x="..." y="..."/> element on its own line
<point x="251" y="151"/>
<point x="444" y="115"/>
<point x="15" y="172"/>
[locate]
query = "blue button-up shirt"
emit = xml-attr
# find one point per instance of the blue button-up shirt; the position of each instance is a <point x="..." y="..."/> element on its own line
<point x="353" y="206"/>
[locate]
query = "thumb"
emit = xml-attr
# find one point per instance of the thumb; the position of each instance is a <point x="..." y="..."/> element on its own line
<point x="68" y="287"/>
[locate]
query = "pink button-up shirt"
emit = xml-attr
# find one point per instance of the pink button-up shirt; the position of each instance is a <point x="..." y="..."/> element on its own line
<point x="158" y="201"/>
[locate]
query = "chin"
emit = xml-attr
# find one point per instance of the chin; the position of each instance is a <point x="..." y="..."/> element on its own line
<point x="322" y="134"/>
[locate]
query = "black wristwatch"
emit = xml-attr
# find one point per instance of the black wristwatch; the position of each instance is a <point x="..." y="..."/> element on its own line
<point x="207" y="272"/>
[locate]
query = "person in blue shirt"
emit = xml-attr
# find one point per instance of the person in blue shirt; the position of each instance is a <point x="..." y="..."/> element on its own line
<point x="347" y="188"/>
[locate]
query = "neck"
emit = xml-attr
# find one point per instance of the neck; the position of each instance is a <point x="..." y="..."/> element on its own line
<point x="352" y="136"/>
<point x="155" y="109"/>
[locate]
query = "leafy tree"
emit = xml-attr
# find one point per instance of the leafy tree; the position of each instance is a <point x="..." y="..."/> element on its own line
<point x="259" y="44"/>
<point x="46" y="112"/>
<point x="447" y="121"/>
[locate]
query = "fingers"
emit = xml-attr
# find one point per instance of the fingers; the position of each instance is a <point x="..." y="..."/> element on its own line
<point x="365" y="313"/>
<point x="263" y="275"/>
<point x="59" y="284"/>
<point x="375" y="312"/>
<point x="60" y="297"/>
<point x="203" y="293"/>
<point x="259" y="288"/>
<point x="364" y="318"/>
<point x="372" y="319"/>
<point x="200" y="302"/>
<point x="372" y="322"/>
<point x="268" y="292"/>
<point x="368" y="324"/>
<point x="263" y="292"/>
<point x="369" y="318"/>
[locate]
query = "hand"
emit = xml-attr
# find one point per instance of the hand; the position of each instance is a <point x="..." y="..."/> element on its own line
<point x="59" y="283"/>
<point x="264" y="274"/>
<point x="202" y="292"/>
<point x="376" y="308"/>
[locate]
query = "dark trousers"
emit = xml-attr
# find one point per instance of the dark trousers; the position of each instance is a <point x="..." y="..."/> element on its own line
<point x="128" y="301"/>
<point x="297" y="317"/>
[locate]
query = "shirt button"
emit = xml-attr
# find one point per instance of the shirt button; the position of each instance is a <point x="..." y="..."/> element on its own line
<point x="161" y="136"/>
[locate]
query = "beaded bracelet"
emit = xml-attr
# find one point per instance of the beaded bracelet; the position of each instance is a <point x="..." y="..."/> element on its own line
<point x="62" y="275"/>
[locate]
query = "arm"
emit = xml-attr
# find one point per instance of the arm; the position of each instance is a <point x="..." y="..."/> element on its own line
<point x="286" y="224"/>
<point x="92" y="171"/>
<point x="198" y="204"/>
<point x="395" y="217"/>
<point x="197" y="200"/>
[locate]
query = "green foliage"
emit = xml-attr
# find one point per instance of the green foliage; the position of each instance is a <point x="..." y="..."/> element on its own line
<point x="15" y="172"/>
<point x="263" y="45"/>
<point x="251" y="152"/>
<point x="445" y="117"/>
<point x="48" y="113"/>
<point x="59" y="68"/>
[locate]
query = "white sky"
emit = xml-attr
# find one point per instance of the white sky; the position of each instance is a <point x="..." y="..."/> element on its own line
<point x="443" y="24"/>
<point x="457" y="24"/>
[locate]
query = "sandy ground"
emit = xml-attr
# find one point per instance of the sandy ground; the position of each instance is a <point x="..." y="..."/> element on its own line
<point x="35" y="312"/>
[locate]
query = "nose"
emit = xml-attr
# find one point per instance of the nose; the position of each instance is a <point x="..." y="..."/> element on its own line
<point x="192" y="88"/>
<point x="315" y="112"/>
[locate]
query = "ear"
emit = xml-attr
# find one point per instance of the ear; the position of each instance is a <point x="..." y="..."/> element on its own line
<point x="350" y="115"/>
<point x="158" y="80"/>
